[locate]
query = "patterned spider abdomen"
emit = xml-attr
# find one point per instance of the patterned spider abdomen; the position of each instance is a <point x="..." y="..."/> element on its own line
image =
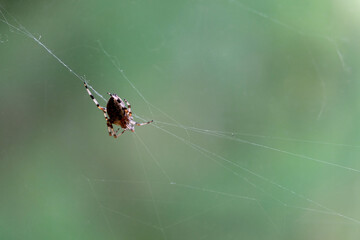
<point x="117" y="112"/>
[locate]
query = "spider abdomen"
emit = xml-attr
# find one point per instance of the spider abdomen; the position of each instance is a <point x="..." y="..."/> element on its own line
<point x="116" y="112"/>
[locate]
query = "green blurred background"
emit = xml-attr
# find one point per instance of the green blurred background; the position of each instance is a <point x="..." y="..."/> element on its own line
<point x="279" y="79"/>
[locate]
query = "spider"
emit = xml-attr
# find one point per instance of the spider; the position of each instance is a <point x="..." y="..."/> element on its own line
<point x="117" y="113"/>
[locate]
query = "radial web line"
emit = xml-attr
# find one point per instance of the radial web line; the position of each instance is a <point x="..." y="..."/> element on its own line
<point x="151" y="190"/>
<point x="205" y="151"/>
<point x="225" y="194"/>
<point x="21" y="29"/>
<point x="156" y="161"/>
<point x="286" y="152"/>
<point x="293" y="29"/>
<point x="101" y="206"/>
<point x="205" y="131"/>
<point x="232" y="138"/>
<point x="115" y="62"/>
<point x="116" y="211"/>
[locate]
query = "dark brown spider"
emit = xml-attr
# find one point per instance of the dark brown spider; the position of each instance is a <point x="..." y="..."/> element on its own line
<point x="117" y="113"/>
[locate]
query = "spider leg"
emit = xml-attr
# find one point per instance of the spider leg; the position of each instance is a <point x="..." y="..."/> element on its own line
<point x="117" y="135"/>
<point x="110" y="128"/>
<point x="108" y="123"/>
<point x="94" y="99"/>
<point x="142" y="124"/>
<point x="128" y="107"/>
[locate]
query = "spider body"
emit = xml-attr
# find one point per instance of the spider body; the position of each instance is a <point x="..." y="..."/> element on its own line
<point x="117" y="113"/>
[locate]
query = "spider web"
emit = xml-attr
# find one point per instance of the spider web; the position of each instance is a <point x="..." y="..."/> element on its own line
<point x="253" y="134"/>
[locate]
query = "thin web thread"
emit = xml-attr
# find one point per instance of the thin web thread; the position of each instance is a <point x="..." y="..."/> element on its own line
<point x="217" y="156"/>
<point x="202" y="150"/>
<point x="21" y="29"/>
<point x="149" y="185"/>
<point x="293" y="29"/>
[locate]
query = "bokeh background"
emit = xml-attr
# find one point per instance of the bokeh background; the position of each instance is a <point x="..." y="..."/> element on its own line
<point x="277" y="81"/>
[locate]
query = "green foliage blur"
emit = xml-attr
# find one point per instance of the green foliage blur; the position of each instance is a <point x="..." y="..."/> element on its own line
<point x="279" y="80"/>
